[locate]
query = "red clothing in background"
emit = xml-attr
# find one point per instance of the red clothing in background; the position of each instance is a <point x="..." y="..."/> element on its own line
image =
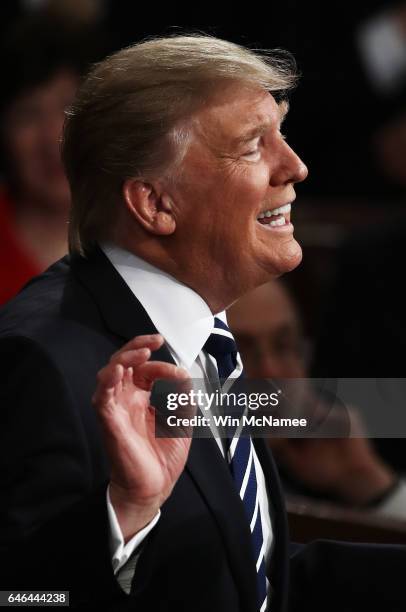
<point x="16" y="265"/>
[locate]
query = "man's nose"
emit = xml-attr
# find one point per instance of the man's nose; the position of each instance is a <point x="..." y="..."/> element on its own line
<point x="264" y="365"/>
<point x="301" y="171"/>
<point x="291" y="168"/>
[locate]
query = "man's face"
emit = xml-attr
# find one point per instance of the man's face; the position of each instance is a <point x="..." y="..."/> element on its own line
<point x="237" y="167"/>
<point x="267" y="329"/>
<point x="32" y="132"/>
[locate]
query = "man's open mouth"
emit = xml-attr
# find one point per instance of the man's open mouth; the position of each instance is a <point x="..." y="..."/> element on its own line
<point x="275" y="217"/>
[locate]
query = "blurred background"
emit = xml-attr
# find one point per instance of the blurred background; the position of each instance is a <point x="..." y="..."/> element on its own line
<point x="341" y="312"/>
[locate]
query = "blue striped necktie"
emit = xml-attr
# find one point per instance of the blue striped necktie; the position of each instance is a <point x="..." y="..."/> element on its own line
<point x="221" y="345"/>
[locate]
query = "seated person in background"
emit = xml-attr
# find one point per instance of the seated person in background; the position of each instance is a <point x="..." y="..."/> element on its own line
<point x="40" y="73"/>
<point x="268" y="331"/>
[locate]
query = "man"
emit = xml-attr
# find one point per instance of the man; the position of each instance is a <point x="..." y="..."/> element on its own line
<point x="182" y="185"/>
<point x="267" y="327"/>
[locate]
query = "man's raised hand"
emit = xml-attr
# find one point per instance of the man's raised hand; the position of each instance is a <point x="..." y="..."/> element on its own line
<point x="144" y="468"/>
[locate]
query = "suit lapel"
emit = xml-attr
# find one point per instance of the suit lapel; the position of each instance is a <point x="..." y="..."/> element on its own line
<point x="122" y="313"/>
<point x="209" y="470"/>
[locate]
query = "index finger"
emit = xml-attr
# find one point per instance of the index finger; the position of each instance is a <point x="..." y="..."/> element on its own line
<point x="151" y="341"/>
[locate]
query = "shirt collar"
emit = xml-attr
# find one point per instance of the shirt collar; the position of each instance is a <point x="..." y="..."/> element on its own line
<point x="179" y="313"/>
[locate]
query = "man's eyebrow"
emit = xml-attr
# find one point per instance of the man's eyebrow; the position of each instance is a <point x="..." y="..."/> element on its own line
<point x="261" y="128"/>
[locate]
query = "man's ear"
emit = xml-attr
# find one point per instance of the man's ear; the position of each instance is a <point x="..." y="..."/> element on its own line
<point x="153" y="210"/>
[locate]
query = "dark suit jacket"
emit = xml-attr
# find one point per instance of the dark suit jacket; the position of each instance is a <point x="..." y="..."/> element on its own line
<point x="54" y="337"/>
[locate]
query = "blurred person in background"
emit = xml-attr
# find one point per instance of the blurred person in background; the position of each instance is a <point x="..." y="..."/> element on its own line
<point x="362" y="332"/>
<point x="42" y="63"/>
<point x="381" y="42"/>
<point x="269" y="334"/>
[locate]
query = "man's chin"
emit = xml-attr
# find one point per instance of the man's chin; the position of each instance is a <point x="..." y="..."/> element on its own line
<point x="296" y="258"/>
<point x="290" y="257"/>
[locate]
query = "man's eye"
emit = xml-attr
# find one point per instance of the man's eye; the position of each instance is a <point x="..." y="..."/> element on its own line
<point x="256" y="154"/>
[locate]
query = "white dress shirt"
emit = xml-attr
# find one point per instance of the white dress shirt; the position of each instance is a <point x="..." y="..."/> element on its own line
<point x="185" y="321"/>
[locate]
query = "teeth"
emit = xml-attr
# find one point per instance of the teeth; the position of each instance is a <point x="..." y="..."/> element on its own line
<point x="282" y="210"/>
<point x="277" y="222"/>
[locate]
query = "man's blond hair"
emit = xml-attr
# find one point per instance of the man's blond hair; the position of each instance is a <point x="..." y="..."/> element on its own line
<point x="130" y="113"/>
